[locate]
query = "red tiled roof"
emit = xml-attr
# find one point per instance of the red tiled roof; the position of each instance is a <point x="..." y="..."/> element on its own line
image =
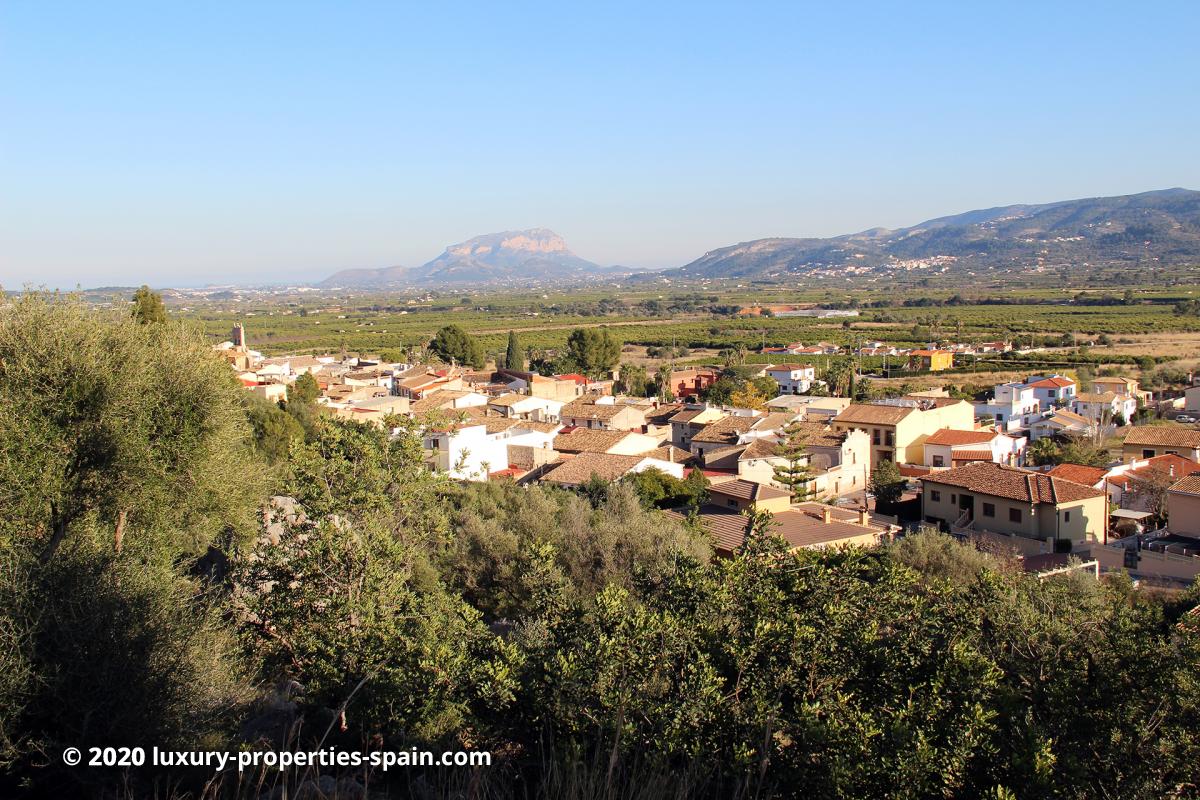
<point x="1053" y="383"/>
<point x="1013" y="483"/>
<point x="1169" y="466"/>
<point x="948" y="436"/>
<point x="748" y="490"/>
<point x="1163" y="435"/>
<point x="1079" y="473"/>
<point x="971" y="455"/>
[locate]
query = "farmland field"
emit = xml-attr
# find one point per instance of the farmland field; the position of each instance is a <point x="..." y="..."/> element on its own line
<point x="1143" y="323"/>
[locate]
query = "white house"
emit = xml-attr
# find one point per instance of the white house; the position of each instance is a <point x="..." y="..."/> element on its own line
<point x="467" y="451"/>
<point x="793" y="378"/>
<point x="1013" y="406"/>
<point x="524" y="406"/>
<point x="947" y="448"/>
<point x="1105" y="406"/>
<point x="1052" y="391"/>
<point x="1061" y="423"/>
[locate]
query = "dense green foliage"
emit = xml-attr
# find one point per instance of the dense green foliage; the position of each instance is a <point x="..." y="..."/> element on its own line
<point x="454" y="345"/>
<point x="593" y="351"/>
<point x="514" y="355"/>
<point x="587" y="639"/>
<point x="148" y="306"/>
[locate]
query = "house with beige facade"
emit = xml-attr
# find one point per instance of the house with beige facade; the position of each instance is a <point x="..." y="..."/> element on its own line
<point x="603" y="412"/>
<point x="1148" y="441"/>
<point x="898" y="428"/>
<point x="1012" y="502"/>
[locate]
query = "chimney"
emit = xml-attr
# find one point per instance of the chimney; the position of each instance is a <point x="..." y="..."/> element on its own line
<point x="1172" y="470"/>
<point x="864" y="516"/>
<point x="826" y="515"/>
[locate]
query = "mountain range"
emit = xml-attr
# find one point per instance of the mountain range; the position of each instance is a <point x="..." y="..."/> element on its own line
<point x="1160" y="227"/>
<point x="524" y="257"/>
<point x="1151" y="228"/>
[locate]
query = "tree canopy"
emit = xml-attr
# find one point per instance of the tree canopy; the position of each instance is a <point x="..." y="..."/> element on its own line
<point x="453" y="344"/>
<point x="593" y="351"/>
<point x="148" y="306"/>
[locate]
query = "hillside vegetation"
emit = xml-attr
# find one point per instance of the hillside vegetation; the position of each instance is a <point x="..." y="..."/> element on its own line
<point x="182" y="568"/>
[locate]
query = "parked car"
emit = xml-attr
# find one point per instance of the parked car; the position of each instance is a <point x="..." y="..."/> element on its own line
<point x="1185" y="419"/>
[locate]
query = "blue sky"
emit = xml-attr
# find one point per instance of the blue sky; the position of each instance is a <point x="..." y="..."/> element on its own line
<point x="188" y="143"/>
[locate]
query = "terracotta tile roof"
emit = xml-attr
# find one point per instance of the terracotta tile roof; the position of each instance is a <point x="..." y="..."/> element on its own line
<point x="728" y="529"/>
<point x="663" y="414"/>
<point x="748" y="490"/>
<point x="726" y="430"/>
<point x="442" y="399"/>
<point x="582" y="467"/>
<point x="1069" y="418"/>
<point x="803" y="526"/>
<point x="971" y="455"/>
<point x="871" y="414"/>
<point x="588" y="409"/>
<point x="773" y="421"/>
<point x="669" y="453"/>
<point x="500" y="424"/>
<point x="1188" y="485"/>
<point x="789" y="367"/>
<point x="1164" y="435"/>
<point x="948" y="436"/>
<point x="539" y="427"/>
<point x="1079" y="473"/>
<point x="1013" y="483"/>
<point x="1168" y="466"/>
<point x="508" y="399"/>
<point x="687" y="414"/>
<point x="583" y="440"/>
<point x="819" y="434"/>
<point x="1053" y="383"/>
<point x="1093" y="397"/>
<point x="758" y="448"/>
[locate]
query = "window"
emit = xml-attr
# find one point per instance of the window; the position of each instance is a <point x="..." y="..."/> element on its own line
<point x="731" y="502"/>
<point x="890" y="438"/>
<point x="938" y="461"/>
<point x="989" y="509"/>
<point x="953" y="498"/>
<point x="1066" y="516"/>
<point x="875" y="436"/>
<point x="1147" y="454"/>
<point x="1014" y="515"/>
<point x="935" y="496"/>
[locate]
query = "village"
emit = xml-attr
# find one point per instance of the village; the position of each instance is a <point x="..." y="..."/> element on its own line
<point x="826" y="471"/>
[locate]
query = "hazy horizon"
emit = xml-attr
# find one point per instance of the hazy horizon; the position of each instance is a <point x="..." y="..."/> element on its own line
<point x="182" y="146"/>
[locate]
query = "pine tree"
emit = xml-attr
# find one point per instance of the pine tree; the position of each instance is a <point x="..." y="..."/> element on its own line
<point x="148" y="306"/>
<point x="514" y="356"/>
<point x="795" y="473"/>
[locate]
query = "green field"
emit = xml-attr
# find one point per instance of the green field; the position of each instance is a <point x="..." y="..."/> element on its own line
<point x="694" y="320"/>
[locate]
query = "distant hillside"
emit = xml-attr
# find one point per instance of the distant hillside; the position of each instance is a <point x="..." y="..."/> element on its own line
<point x="1161" y="227"/>
<point x="383" y="278"/>
<point x="510" y="257"/>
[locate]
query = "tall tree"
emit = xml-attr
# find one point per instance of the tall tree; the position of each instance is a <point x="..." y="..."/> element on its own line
<point x="305" y="389"/>
<point x="148" y="306"/>
<point x="514" y="355"/>
<point x="634" y="380"/>
<point x="749" y="396"/>
<point x="795" y="472"/>
<point x="594" y="351"/>
<point x="452" y="343"/>
<point x="887" y="484"/>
